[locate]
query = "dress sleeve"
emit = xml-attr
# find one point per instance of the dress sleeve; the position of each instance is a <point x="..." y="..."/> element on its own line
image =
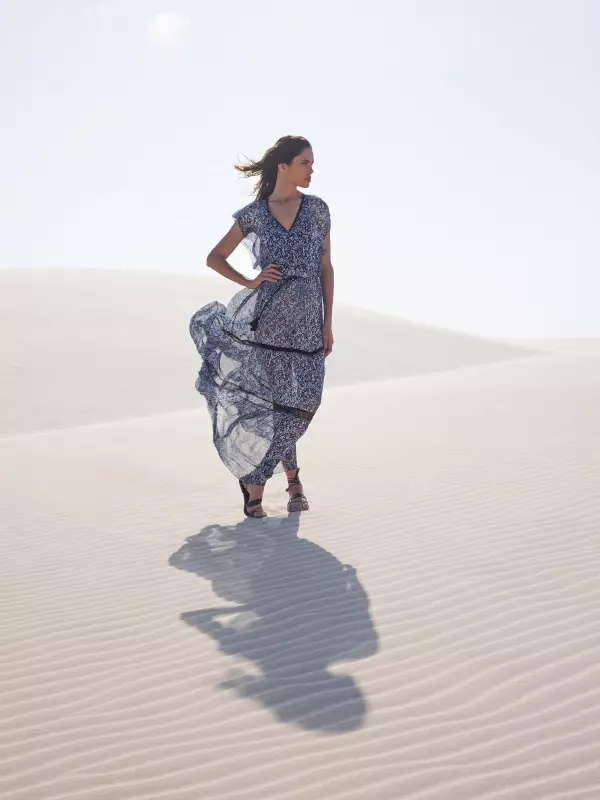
<point x="323" y="218"/>
<point x="243" y="217"/>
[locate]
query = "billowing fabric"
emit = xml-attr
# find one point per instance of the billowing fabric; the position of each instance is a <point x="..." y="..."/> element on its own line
<point x="263" y="365"/>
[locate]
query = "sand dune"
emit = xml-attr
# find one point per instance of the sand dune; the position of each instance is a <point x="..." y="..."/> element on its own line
<point x="87" y="346"/>
<point x="580" y="344"/>
<point x="428" y="630"/>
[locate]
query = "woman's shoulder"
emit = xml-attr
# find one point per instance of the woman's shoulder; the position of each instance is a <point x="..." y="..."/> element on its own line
<point x="250" y="208"/>
<point x="248" y="216"/>
<point x="317" y="202"/>
<point x="320" y="212"/>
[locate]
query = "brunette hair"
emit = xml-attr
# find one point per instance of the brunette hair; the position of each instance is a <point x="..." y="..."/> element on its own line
<point x="284" y="151"/>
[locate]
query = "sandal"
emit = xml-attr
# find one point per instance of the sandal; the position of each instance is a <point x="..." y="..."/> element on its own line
<point x="258" y="513"/>
<point x="297" y="501"/>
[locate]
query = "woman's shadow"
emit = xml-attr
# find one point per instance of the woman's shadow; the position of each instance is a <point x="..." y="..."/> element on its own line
<point x="298" y="610"/>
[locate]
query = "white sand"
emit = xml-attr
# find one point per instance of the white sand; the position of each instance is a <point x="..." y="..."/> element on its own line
<point x="428" y="630"/>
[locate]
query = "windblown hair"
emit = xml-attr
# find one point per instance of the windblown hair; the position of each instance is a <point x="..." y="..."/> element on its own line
<point x="284" y="151"/>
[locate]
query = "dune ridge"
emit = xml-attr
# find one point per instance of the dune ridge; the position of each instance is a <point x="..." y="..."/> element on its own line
<point x="83" y="346"/>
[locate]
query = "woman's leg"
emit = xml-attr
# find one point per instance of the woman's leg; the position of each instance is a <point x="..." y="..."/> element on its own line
<point x="289" y="460"/>
<point x="296" y="382"/>
<point x="287" y="429"/>
<point x="290" y="465"/>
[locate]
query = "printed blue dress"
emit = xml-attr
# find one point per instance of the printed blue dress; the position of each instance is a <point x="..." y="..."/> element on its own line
<point x="263" y="364"/>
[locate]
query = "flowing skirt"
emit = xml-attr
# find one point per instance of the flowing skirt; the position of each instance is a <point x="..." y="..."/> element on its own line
<point x="262" y="373"/>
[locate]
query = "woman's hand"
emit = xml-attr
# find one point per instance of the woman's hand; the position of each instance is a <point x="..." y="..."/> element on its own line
<point x="270" y="274"/>
<point x="327" y="338"/>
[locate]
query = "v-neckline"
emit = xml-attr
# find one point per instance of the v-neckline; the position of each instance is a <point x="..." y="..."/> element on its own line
<point x="281" y="225"/>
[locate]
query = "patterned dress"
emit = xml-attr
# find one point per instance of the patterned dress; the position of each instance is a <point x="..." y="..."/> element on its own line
<point x="263" y="364"/>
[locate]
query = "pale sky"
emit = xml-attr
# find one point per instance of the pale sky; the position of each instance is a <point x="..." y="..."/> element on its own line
<point x="456" y="143"/>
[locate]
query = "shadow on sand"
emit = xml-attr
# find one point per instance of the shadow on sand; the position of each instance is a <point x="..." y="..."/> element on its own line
<point x="295" y="611"/>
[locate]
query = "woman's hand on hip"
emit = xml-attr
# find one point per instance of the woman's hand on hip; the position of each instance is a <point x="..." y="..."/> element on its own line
<point x="327" y="338"/>
<point x="270" y="274"/>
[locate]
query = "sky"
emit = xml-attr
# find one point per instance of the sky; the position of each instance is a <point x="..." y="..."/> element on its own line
<point x="455" y="141"/>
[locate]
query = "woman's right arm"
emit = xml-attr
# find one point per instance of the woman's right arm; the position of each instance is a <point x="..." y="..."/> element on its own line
<point x="217" y="260"/>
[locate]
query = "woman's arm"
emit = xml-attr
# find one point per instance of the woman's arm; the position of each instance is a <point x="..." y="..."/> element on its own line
<point x="327" y="283"/>
<point x="217" y="260"/>
<point x="327" y="280"/>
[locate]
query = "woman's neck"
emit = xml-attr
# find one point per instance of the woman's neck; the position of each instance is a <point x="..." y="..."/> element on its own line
<point x="285" y="194"/>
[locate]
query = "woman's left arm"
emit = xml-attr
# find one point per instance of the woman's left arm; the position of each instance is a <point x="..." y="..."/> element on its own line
<point x="327" y="288"/>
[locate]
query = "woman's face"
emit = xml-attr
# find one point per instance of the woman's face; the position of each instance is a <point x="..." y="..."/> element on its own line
<point x="300" y="171"/>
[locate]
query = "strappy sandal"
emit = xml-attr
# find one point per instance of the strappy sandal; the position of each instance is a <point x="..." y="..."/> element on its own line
<point x="297" y="501"/>
<point x="258" y="513"/>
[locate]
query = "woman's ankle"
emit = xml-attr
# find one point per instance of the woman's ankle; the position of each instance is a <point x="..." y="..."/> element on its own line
<point x="255" y="490"/>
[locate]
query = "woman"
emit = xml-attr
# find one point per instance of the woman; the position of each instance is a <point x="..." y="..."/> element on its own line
<point x="263" y="356"/>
